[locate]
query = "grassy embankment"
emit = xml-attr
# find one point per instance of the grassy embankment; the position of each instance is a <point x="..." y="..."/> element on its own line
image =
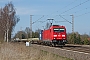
<point x="18" y="51"/>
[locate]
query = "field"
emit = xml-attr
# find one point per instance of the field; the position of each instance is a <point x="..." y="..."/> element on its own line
<point x="18" y="51"/>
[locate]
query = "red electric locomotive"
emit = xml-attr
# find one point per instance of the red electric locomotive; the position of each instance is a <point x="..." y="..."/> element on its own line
<point x="55" y="35"/>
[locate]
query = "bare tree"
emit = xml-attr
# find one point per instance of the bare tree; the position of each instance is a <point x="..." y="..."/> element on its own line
<point x="1" y="26"/>
<point x="8" y="20"/>
<point x="21" y="35"/>
<point x="27" y="30"/>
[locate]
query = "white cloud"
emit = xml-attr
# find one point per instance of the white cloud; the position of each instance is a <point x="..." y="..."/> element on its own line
<point x="25" y="11"/>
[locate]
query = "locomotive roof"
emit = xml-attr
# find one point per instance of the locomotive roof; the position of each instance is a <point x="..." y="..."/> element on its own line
<point x="57" y="26"/>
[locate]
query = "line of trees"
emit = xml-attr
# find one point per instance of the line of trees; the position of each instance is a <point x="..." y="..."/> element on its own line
<point x="8" y="20"/>
<point x="76" y="38"/>
<point x="26" y="34"/>
<point x="73" y="38"/>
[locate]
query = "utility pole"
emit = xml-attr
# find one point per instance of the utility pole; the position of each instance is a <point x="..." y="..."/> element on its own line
<point x="72" y="23"/>
<point x="30" y="26"/>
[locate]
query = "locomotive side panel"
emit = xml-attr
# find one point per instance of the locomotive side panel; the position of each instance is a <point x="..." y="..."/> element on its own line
<point x="46" y="34"/>
<point x="55" y="35"/>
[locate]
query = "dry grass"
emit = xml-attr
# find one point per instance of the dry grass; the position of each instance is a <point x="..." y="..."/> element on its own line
<point x="18" y="51"/>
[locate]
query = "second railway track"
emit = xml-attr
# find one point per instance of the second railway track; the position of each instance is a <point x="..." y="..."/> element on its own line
<point x="73" y="52"/>
<point x="77" y="48"/>
<point x="73" y="48"/>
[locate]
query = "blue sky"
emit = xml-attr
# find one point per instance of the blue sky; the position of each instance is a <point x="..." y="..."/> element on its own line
<point x="52" y="9"/>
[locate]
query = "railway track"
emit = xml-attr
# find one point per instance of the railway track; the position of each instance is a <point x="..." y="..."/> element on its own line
<point x="73" y="52"/>
<point x="77" y="48"/>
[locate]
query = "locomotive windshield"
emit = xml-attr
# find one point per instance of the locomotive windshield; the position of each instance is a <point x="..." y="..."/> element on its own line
<point x="58" y="29"/>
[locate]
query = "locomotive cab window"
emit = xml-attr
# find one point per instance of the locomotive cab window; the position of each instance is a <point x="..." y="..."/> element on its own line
<point x="58" y="29"/>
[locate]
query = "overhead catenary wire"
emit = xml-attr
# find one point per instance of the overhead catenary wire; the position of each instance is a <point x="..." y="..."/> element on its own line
<point x="59" y="21"/>
<point x="60" y="15"/>
<point x="66" y="5"/>
<point x="56" y="11"/>
<point x="65" y="19"/>
<point x="38" y="19"/>
<point x="42" y="21"/>
<point x="71" y="9"/>
<point x="81" y="10"/>
<point x="82" y="14"/>
<point x="75" y="6"/>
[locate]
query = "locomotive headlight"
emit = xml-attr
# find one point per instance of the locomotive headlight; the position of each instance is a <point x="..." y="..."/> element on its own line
<point x="55" y="35"/>
<point x="63" y="35"/>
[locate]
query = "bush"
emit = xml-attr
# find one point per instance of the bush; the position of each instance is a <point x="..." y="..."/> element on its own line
<point x="86" y="41"/>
